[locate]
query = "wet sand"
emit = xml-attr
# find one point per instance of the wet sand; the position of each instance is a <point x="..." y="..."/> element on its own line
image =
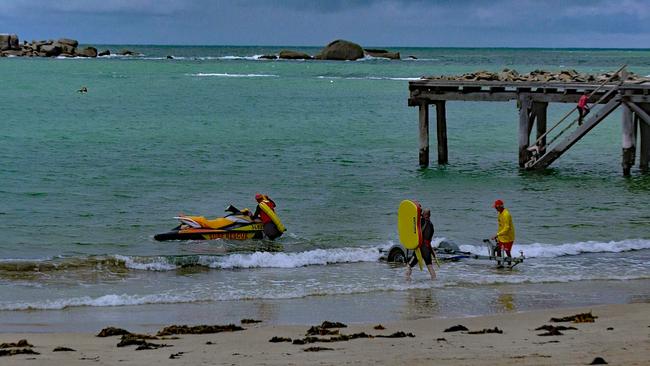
<point x="619" y="335"/>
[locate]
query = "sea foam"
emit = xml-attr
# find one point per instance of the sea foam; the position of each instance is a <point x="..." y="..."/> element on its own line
<point x="541" y="250"/>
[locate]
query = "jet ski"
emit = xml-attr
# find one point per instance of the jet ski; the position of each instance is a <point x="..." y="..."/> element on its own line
<point x="237" y="225"/>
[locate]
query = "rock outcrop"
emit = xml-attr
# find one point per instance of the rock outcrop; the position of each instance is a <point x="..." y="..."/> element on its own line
<point x="382" y="53"/>
<point x="67" y="47"/>
<point x="294" y="55"/>
<point x="509" y="75"/>
<point x="88" y="52"/>
<point x="341" y="50"/>
<point x="9" y="42"/>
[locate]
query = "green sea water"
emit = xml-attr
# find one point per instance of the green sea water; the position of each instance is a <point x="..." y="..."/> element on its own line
<point x="86" y="180"/>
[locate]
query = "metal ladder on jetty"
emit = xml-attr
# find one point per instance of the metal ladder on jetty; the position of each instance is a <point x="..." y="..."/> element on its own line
<point x="542" y="154"/>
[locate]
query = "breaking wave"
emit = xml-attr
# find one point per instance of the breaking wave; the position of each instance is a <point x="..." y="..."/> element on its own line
<point x="172" y="262"/>
<point x="541" y="250"/>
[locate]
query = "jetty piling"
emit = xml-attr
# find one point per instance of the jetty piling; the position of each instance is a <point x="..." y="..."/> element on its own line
<point x="533" y="99"/>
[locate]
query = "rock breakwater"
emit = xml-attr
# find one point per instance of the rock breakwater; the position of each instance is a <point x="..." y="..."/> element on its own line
<point x="63" y="47"/>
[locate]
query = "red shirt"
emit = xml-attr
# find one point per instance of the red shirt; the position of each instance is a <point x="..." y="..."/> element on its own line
<point x="583" y="101"/>
<point x="263" y="216"/>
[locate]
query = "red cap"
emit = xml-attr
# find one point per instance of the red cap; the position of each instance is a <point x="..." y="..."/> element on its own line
<point x="258" y="197"/>
<point x="498" y="203"/>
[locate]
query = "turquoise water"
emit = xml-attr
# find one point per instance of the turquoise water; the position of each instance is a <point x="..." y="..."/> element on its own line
<point x="88" y="179"/>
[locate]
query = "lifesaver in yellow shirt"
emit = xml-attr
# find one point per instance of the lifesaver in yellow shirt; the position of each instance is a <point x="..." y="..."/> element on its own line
<point x="273" y="216"/>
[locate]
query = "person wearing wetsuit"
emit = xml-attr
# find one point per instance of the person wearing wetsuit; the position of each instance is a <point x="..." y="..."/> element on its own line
<point x="270" y="229"/>
<point x="425" y="247"/>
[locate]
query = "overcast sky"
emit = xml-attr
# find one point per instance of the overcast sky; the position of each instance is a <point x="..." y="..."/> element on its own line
<point x="425" y="23"/>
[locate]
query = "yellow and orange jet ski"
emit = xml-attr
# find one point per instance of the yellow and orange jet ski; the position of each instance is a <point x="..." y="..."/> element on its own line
<point x="237" y="225"/>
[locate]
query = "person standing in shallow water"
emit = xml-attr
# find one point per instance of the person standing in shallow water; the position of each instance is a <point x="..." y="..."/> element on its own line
<point x="425" y="247"/>
<point x="505" y="235"/>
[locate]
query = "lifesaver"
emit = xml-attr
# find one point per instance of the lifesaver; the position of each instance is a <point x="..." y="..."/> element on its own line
<point x="272" y="215"/>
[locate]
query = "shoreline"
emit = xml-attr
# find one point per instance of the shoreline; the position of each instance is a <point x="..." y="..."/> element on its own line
<point x="426" y="300"/>
<point x="619" y="335"/>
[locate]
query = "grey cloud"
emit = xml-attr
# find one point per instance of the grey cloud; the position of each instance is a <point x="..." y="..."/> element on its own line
<point x="552" y="23"/>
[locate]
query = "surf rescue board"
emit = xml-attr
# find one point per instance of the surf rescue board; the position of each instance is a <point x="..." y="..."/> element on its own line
<point x="408" y="227"/>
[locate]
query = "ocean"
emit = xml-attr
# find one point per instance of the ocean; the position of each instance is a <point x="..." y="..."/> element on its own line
<point x="87" y="180"/>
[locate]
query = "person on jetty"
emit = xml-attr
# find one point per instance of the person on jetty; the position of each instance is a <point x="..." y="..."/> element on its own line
<point x="583" y="109"/>
<point x="425" y="247"/>
<point x="270" y="229"/>
<point x="505" y="235"/>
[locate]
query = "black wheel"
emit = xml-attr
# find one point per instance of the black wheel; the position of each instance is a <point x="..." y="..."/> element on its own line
<point x="397" y="255"/>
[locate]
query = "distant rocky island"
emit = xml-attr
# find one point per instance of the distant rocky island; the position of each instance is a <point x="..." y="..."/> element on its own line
<point x="10" y="46"/>
<point x="339" y="49"/>
<point x="65" y="47"/>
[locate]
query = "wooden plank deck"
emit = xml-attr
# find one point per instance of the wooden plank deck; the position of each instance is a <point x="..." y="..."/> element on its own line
<point x="533" y="98"/>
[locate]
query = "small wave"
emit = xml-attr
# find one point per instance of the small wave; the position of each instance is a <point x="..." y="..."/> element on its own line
<point x="102" y="301"/>
<point x="369" y="78"/>
<point x="58" y="263"/>
<point x="293" y="260"/>
<point x="226" y="75"/>
<point x="146" y="263"/>
<point x="251" y="58"/>
<point x="540" y="250"/>
<point x="256" y="259"/>
<point x="230" y="293"/>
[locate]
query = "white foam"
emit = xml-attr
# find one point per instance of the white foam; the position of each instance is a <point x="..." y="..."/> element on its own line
<point x="293" y="260"/>
<point x="250" y="58"/>
<point x="226" y="75"/>
<point x="146" y="263"/>
<point x="102" y="301"/>
<point x="262" y="259"/>
<point x="540" y="250"/>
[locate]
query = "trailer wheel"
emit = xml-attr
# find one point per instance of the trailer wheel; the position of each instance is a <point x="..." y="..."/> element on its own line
<point x="397" y="255"/>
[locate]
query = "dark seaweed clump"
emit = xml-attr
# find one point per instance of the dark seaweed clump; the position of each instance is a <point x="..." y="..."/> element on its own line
<point x="578" y="318"/>
<point x="198" y="329"/>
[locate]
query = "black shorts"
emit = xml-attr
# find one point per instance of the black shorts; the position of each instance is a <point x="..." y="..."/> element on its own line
<point x="271" y="231"/>
<point x="426" y="256"/>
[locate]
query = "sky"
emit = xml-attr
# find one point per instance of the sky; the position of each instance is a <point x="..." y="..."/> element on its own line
<point x="371" y="23"/>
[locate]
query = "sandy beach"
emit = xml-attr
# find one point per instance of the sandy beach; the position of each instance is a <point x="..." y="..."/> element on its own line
<point x="620" y="335"/>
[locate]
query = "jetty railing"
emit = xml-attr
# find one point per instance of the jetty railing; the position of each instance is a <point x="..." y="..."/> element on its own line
<point x="533" y="99"/>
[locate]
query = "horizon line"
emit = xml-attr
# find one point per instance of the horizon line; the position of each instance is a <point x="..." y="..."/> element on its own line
<point x="365" y="47"/>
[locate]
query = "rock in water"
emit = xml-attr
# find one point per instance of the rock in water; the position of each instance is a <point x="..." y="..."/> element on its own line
<point x="382" y="53"/>
<point x="88" y="52"/>
<point x="341" y="50"/>
<point x="293" y="55"/>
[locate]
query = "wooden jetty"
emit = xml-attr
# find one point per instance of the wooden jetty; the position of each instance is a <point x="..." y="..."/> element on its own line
<point x="533" y="99"/>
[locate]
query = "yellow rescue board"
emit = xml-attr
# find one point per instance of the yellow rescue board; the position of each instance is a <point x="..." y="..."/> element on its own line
<point x="276" y="220"/>
<point x="408" y="224"/>
<point x="408" y="227"/>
